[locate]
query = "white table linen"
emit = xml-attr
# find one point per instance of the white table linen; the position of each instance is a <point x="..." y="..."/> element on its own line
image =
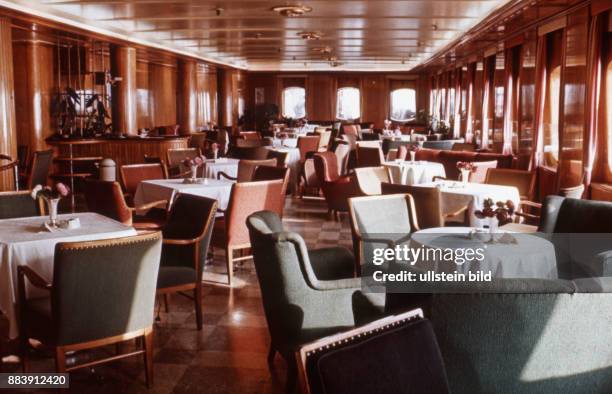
<point x="413" y="173"/>
<point x="284" y="142"/>
<point x="167" y="189"/>
<point x="530" y="257"/>
<point x="457" y="194"/>
<point x="214" y="166"/>
<point x="24" y="241"/>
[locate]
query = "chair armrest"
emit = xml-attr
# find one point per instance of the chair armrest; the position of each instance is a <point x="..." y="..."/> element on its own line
<point x="149" y="205"/>
<point x="221" y="173"/>
<point x="171" y="241"/>
<point x="455" y="213"/>
<point x="441" y="178"/>
<point x="389" y="242"/>
<point x="35" y="279"/>
<point x="531" y="204"/>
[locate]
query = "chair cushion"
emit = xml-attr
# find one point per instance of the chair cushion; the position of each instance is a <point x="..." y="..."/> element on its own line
<point x="332" y="263"/>
<point x="170" y="276"/>
<point x="148" y="222"/>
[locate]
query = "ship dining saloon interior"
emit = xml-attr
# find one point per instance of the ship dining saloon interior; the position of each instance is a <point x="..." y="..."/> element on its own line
<point x="398" y="196"/>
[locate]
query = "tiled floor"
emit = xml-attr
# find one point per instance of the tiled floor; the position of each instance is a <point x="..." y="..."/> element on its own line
<point x="229" y="354"/>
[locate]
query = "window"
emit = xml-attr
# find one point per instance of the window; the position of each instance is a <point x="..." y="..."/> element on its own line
<point x="294" y="103"/>
<point x="403" y="104"/>
<point x="551" y="126"/>
<point x="348" y="104"/>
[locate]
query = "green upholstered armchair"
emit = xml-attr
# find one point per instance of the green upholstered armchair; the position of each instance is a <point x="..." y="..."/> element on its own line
<point x="103" y="292"/>
<point x="300" y="307"/>
<point x="18" y="205"/>
<point x="186" y="240"/>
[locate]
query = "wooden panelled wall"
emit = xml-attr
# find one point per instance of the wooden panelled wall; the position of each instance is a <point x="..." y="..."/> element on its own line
<point x="529" y="98"/>
<point x="321" y="90"/>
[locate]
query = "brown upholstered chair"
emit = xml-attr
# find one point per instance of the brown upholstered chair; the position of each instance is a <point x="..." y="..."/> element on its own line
<point x="370" y="178"/>
<point x="601" y="192"/>
<point x="103" y="293"/>
<point x="369" y="156"/>
<point x="133" y="174"/>
<point x="186" y="240"/>
<point x="230" y="232"/>
<point x="175" y="157"/>
<point x="342" y="152"/>
<point x="324" y="138"/>
<point x="463" y="147"/>
<point x="198" y="140"/>
<point x="281" y="157"/>
<point x="428" y="203"/>
<point x="39" y="168"/>
<point x="524" y="181"/>
<point x="246" y="169"/>
<point x="250" y="135"/>
<point x="251" y="153"/>
<point x="19" y="205"/>
<point x="249" y="143"/>
<point x="267" y="173"/>
<point x="106" y="198"/>
<point x="306" y="145"/>
<point x="336" y="189"/>
<point x="308" y="178"/>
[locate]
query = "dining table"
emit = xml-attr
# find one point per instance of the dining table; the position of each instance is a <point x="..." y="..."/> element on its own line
<point x="508" y="255"/>
<point x="27" y="241"/>
<point x="408" y="172"/>
<point x="456" y="195"/>
<point x="285" y="142"/>
<point x="227" y="165"/>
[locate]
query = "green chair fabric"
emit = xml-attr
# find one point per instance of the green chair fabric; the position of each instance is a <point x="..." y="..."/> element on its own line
<point x="18" y="205"/>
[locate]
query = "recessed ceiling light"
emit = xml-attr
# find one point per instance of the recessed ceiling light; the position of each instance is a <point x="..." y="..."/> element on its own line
<point x="310" y="35"/>
<point x="291" y="11"/>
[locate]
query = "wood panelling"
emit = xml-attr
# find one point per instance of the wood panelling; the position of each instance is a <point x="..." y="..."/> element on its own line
<point x="123" y="65"/>
<point x="375" y="99"/>
<point x="207" y="108"/>
<point x="162" y="93"/>
<point x="143" y="97"/>
<point x="186" y="103"/>
<point x="8" y="134"/>
<point x="231" y="96"/>
<point x="321" y="97"/>
<point x="33" y="67"/>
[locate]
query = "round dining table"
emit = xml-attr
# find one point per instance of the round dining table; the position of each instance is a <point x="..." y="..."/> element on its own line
<point x="408" y="172"/>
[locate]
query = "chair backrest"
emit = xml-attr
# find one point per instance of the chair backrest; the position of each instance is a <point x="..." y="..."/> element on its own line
<point x="308" y="144"/>
<point x="342" y="154"/>
<point x="268" y="173"/>
<point x="249" y="142"/>
<point x="404" y="345"/>
<point x="350" y="139"/>
<point x="281" y="157"/>
<point x="198" y="140"/>
<point x="482" y="167"/>
<point x="325" y="136"/>
<point x="249" y="197"/>
<point x="106" y="198"/>
<point x="104" y="288"/>
<point x="18" y="205"/>
<point x="326" y="166"/>
<point x="463" y="146"/>
<point x="370" y="178"/>
<point x="250" y="135"/>
<point x="351" y="129"/>
<point x="191" y="217"/>
<point x="39" y="170"/>
<point x="572" y="215"/>
<point x="524" y="181"/>
<point x="177" y="155"/>
<point x="246" y="168"/>
<point x="250" y="153"/>
<point x="369" y="156"/>
<point x="427" y="202"/>
<point x="133" y="174"/>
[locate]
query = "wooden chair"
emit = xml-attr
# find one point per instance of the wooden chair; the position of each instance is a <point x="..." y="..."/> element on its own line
<point x="106" y="198"/>
<point x="250" y="135"/>
<point x="428" y="203"/>
<point x="404" y="345"/>
<point x="103" y="293"/>
<point x="370" y="178"/>
<point x="18" y="205"/>
<point x="324" y="138"/>
<point x="185" y="246"/>
<point x="369" y="156"/>
<point x="336" y="189"/>
<point x="39" y="169"/>
<point x="281" y="157"/>
<point x="230" y="231"/>
<point x="307" y="146"/>
<point x="342" y="154"/>
<point x="133" y="174"/>
<point x="13" y="166"/>
<point x="250" y="153"/>
<point x="463" y="147"/>
<point x="524" y="181"/>
<point x="246" y="169"/>
<point x="175" y="157"/>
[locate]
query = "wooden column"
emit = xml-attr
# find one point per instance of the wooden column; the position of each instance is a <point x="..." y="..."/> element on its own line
<point x="8" y="135"/>
<point x="226" y="98"/>
<point x="186" y="103"/>
<point x="33" y="66"/>
<point x="123" y="65"/>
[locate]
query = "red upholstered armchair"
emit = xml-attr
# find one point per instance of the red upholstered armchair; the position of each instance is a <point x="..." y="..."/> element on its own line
<point x="336" y="189"/>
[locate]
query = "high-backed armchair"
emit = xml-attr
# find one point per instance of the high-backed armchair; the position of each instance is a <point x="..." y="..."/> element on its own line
<point x="308" y="145"/>
<point x="368" y="156"/>
<point x="246" y="169"/>
<point x="18" y="205"/>
<point x="103" y="292"/>
<point x="298" y="306"/>
<point x="133" y="174"/>
<point x="336" y="189"/>
<point x="370" y="178"/>
<point x="39" y="168"/>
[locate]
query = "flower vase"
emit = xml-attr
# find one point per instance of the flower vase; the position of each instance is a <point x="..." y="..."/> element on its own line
<point x="465" y="175"/>
<point x="215" y="154"/>
<point x="193" y="173"/>
<point x="412" y="156"/>
<point x="52" y="204"/>
<point x="493" y="225"/>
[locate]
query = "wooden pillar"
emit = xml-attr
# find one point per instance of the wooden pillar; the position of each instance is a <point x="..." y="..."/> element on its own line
<point x="8" y="134"/>
<point x="226" y="98"/>
<point x="186" y="103"/>
<point x="123" y="65"/>
<point x="33" y="66"/>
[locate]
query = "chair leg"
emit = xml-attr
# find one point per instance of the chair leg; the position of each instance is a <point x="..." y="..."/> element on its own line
<point x="197" y="296"/>
<point x="290" y="385"/>
<point x="229" y="260"/>
<point x="148" y="356"/>
<point x="60" y="359"/>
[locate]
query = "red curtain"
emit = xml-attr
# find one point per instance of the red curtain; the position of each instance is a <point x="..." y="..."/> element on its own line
<point x="538" y="132"/>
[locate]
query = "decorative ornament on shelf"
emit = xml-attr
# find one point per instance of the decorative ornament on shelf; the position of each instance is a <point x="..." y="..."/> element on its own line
<point x="193" y="164"/>
<point x="51" y="196"/>
<point x="466" y="169"/>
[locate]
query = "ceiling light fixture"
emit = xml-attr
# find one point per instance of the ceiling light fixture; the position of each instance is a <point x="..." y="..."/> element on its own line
<point x="291" y="11"/>
<point x="310" y="35"/>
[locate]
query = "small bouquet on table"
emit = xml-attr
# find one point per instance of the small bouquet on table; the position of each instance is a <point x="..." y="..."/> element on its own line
<point x="193" y="164"/>
<point x="387" y="129"/>
<point x="466" y="169"/>
<point x="498" y="214"/>
<point x="51" y="195"/>
<point x="412" y="150"/>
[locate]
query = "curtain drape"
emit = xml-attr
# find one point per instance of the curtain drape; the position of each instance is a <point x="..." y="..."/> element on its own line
<point x="541" y="85"/>
<point x="486" y="101"/>
<point x="508" y="102"/>
<point x="457" y="109"/>
<point x="593" y="97"/>
<point x="469" y="132"/>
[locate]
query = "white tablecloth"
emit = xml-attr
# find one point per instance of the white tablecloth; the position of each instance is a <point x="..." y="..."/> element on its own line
<point x="293" y="162"/>
<point x="167" y="189"/>
<point x="226" y="165"/>
<point x="23" y="241"/>
<point x="413" y="173"/>
<point x="530" y="257"/>
<point x="456" y="195"/>
<point x="285" y="142"/>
